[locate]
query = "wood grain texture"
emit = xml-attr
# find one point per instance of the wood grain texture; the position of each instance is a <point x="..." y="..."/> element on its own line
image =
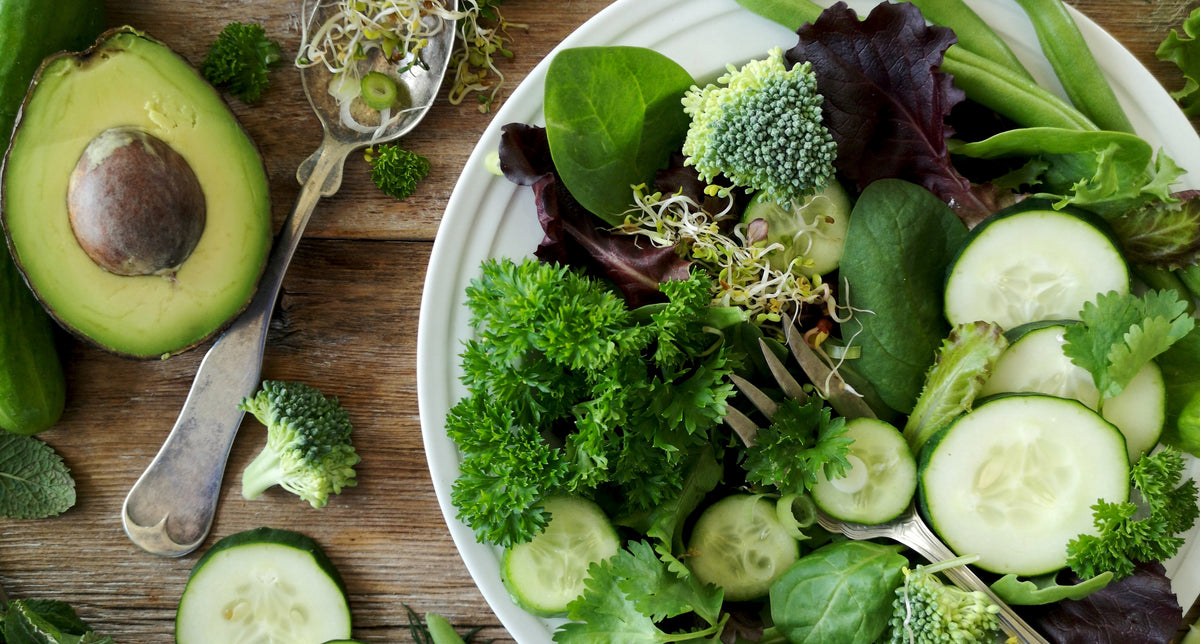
<point x="346" y="323"/>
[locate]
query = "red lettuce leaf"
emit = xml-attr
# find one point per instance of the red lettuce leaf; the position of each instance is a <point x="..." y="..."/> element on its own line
<point x="573" y="235"/>
<point x="886" y="102"/>
<point x="1139" y="608"/>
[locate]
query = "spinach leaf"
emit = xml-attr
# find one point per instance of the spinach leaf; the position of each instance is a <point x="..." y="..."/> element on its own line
<point x="613" y="118"/>
<point x="900" y="241"/>
<point x="842" y="592"/>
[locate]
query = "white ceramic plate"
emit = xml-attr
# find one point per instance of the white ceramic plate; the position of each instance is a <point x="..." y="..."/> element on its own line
<point x="487" y="216"/>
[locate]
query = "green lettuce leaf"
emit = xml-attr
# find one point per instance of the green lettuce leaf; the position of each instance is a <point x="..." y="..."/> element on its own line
<point x="1184" y="51"/>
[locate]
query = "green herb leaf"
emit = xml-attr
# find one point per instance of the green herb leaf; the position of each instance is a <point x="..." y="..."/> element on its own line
<point x="1184" y="51"/>
<point x="1120" y="334"/>
<point x="1142" y="530"/>
<point x="45" y="622"/>
<point x="630" y="592"/>
<point x="34" y="481"/>
<point x="802" y="440"/>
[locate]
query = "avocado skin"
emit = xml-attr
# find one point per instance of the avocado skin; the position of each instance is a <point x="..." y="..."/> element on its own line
<point x="29" y="32"/>
<point x="32" y="380"/>
<point x="176" y="99"/>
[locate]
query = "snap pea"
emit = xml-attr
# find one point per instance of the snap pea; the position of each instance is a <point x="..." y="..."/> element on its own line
<point x="973" y="33"/>
<point x="989" y="83"/>
<point x="1081" y="77"/>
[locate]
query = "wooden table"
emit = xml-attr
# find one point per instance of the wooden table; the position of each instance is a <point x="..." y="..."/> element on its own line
<point x="346" y="323"/>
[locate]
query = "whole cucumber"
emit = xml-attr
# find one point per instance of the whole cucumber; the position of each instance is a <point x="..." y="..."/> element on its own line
<point x="32" y="383"/>
<point x="30" y="30"/>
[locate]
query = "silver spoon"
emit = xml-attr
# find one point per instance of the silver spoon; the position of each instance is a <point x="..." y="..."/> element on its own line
<point x="170" y="508"/>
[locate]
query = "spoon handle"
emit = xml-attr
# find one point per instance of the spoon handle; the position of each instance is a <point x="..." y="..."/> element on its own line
<point x="913" y="533"/>
<point x="170" y="508"/>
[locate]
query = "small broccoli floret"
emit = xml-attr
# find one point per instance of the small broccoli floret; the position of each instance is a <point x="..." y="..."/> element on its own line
<point x="308" y="450"/>
<point x="761" y="128"/>
<point x="927" y="611"/>
<point x="396" y="171"/>
<point x="239" y="60"/>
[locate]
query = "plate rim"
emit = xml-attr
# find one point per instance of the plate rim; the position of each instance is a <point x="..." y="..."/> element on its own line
<point x="1127" y="74"/>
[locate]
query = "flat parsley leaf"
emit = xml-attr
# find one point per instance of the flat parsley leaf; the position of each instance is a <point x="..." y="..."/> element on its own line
<point x="34" y="481"/>
<point x="627" y="596"/>
<point x="1120" y="334"/>
<point x="803" y="439"/>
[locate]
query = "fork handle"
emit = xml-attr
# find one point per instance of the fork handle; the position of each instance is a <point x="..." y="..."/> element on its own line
<point x="170" y="508"/>
<point x="916" y="535"/>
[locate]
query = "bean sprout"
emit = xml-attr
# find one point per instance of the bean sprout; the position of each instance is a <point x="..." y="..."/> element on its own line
<point x="400" y="30"/>
<point x="745" y="277"/>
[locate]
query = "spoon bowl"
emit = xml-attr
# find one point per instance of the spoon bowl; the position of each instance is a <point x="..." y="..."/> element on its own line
<point x="169" y="510"/>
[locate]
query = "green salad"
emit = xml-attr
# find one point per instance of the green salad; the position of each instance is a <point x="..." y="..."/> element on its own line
<point x="982" y="295"/>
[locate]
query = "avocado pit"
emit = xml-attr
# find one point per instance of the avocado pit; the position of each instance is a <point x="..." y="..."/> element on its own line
<point x="134" y="203"/>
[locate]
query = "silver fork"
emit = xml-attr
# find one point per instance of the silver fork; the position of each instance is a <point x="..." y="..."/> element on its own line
<point x="908" y="528"/>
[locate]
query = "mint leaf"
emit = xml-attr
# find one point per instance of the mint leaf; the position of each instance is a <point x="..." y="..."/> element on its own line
<point x="1122" y="333"/>
<point x="34" y="481"/>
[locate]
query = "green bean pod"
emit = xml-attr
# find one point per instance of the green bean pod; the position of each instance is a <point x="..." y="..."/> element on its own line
<point x="1064" y="46"/>
<point x="973" y="33"/>
<point x="998" y="88"/>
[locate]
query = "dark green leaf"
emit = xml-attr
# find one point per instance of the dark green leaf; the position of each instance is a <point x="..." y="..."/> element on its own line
<point x="842" y="592"/>
<point x="613" y="116"/>
<point x="900" y="242"/>
<point x="34" y="481"/>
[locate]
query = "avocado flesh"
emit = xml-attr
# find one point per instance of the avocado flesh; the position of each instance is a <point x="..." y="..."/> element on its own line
<point x="128" y="80"/>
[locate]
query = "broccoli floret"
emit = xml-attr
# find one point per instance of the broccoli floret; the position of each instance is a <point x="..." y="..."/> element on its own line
<point x="308" y="450"/>
<point x="927" y="611"/>
<point x="761" y="128"/>
<point x="239" y="60"/>
<point x="396" y="171"/>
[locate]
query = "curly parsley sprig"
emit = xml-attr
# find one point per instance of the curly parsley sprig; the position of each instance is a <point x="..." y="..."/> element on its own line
<point x="1144" y="529"/>
<point x="570" y="391"/>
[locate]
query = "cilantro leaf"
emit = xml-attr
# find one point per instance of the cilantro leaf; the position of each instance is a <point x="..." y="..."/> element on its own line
<point x="1141" y="530"/>
<point x="627" y="596"/>
<point x="34" y="481"/>
<point x="1121" y="333"/>
<point x="802" y="439"/>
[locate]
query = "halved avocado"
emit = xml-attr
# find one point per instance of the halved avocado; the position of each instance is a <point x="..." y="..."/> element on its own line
<point x="135" y="205"/>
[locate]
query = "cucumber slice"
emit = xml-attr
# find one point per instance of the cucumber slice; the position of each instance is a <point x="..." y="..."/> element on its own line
<point x="1035" y="363"/>
<point x="812" y="232"/>
<point x="740" y="545"/>
<point x="263" y="585"/>
<point x="1031" y="262"/>
<point x="1021" y="470"/>
<point x="547" y="573"/>
<point x="881" y="481"/>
